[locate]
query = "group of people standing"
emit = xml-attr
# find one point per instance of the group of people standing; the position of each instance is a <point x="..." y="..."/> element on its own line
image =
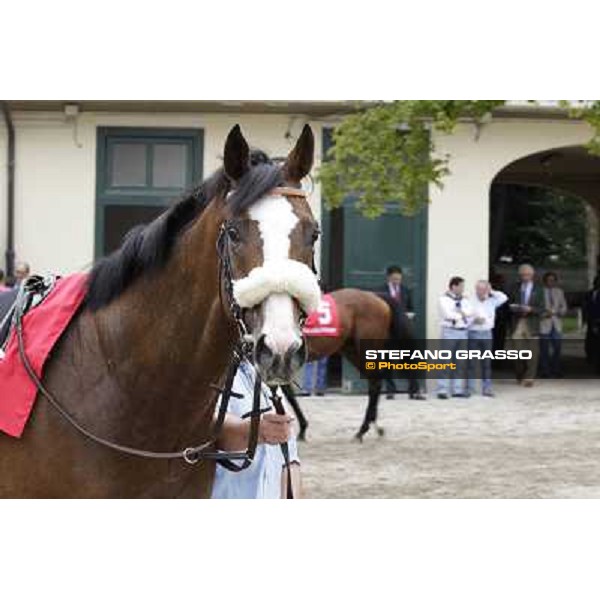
<point x="535" y="322"/>
<point x="468" y="322"/>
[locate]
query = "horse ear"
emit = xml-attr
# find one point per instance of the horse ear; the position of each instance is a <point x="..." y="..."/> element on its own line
<point x="236" y="159"/>
<point x="300" y="160"/>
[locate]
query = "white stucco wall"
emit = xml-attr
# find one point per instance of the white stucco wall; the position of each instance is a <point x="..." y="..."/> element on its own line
<point x="56" y="175"/>
<point x="458" y="224"/>
<point x="55" y="182"/>
<point x="54" y="194"/>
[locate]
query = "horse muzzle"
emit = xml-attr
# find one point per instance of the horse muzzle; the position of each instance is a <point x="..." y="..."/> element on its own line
<point x="277" y="366"/>
<point x="279" y="348"/>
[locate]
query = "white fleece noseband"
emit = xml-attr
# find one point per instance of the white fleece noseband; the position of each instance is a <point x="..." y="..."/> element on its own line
<point x="278" y="273"/>
<point x="285" y="276"/>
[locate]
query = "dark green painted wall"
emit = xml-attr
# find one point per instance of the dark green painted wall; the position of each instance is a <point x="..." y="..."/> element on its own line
<point x="357" y="250"/>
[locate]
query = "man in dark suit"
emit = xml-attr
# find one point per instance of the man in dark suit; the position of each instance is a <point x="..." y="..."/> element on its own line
<point x="396" y="290"/>
<point x="398" y="296"/>
<point x="526" y="303"/>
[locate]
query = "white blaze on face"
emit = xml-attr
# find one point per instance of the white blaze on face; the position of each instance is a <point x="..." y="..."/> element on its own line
<point x="279" y="326"/>
<point x="276" y="221"/>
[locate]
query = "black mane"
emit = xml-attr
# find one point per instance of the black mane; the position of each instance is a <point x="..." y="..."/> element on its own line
<point x="147" y="248"/>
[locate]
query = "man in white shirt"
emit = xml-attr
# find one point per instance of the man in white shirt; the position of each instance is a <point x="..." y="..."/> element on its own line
<point x="485" y="303"/>
<point x="455" y="312"/>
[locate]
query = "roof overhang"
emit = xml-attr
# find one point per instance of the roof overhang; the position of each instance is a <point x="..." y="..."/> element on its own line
<point x="310" y="108"/>
<point x="316" y="108"/>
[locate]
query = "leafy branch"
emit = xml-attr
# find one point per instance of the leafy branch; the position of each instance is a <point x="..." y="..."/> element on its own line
<point x="385" y="153"/>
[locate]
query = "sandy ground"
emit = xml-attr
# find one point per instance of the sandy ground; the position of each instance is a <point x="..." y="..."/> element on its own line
<point x="542" y="442"/>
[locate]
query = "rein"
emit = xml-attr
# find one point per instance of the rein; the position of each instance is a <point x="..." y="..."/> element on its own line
<point x="190" y="455"/>
<point x="242" y="350"/>
<point x="193" y="454"/>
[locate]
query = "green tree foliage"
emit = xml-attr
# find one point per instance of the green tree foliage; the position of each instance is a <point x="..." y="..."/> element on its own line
<point x="590" y="112"/>
<point x="541" y="226"/>
<point x="385" y="153"/>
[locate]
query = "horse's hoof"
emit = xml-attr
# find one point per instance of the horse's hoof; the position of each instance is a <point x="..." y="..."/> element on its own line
<point x="302" y="435"/>
<point x="380" y="431"/>
<point x="358" y="438"/>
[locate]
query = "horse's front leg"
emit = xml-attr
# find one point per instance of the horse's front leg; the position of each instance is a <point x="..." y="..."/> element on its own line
<point x="371" y="412"/>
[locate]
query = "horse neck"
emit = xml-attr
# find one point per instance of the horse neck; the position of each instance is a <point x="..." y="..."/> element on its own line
<point x="169" y="338"/>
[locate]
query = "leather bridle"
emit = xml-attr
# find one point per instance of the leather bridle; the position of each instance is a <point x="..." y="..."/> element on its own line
<point x="226" y="278"/>
<point x="242" y="351"/>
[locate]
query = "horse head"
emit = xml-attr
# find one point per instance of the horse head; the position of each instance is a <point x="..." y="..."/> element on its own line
<point x="270" y="248"/>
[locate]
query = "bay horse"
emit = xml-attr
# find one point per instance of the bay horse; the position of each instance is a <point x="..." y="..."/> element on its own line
<point x="155" y="332"/>
<point x="363" y="315"/>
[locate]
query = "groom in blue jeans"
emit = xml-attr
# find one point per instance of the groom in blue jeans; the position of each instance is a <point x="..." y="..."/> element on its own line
<point x="455" y="312"/>
<point x="481" y="325"/>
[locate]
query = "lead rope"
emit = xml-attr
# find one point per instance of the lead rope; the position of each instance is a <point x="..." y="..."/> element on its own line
<point x="285" y="448"/>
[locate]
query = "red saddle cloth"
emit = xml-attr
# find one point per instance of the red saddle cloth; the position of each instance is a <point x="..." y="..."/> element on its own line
<point x="325" y="321"/>
<point x="42" y="328"/>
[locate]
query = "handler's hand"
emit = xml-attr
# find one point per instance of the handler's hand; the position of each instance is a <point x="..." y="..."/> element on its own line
<point x="274" y="429"/>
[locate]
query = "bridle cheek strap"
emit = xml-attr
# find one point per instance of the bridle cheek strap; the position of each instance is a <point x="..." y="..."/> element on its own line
<point x="279" y="277"/>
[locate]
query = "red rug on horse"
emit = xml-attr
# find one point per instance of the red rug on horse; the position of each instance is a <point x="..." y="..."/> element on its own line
<point x="42" y="327"/>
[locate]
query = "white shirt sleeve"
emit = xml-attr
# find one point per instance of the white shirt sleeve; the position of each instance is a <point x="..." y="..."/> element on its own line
<point x="447" y="309"/>
<point x="467" y="308"/>
<point x="498" y="298"/>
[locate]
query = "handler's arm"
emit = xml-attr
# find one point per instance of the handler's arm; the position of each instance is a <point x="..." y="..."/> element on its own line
<point x="234" y="434"/>
<point x="273" y="429"/>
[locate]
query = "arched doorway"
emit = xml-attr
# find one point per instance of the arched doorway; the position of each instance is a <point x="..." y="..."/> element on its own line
<point x="544" y="210"/>
<point x="567" y="173"/>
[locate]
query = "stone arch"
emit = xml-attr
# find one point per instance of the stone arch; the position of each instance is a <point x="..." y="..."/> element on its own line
<point x="569" y="169"/>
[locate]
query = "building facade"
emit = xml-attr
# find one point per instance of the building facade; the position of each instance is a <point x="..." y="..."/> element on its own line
<point x="85" y="172"/>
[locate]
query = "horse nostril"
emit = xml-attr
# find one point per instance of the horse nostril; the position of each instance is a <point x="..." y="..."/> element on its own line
<point x="295" y="356"/>
<point x="262" y="352"/>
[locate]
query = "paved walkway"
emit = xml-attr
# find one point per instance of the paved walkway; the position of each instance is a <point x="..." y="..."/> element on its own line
<point x="542" y="442"/>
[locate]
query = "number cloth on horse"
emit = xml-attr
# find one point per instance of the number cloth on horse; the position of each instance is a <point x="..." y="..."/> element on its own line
<point x="42" y="328"/>
<point x="325" y="321"/>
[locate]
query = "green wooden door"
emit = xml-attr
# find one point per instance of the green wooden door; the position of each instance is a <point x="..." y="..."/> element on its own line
<point x="356" y="252"/>
<point x="138" y="173"/>
<point x="371" y="245"/>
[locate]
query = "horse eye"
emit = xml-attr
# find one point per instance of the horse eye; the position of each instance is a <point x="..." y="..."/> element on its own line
<point x="234" y="234"/>
<point x="315" y="235"/>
